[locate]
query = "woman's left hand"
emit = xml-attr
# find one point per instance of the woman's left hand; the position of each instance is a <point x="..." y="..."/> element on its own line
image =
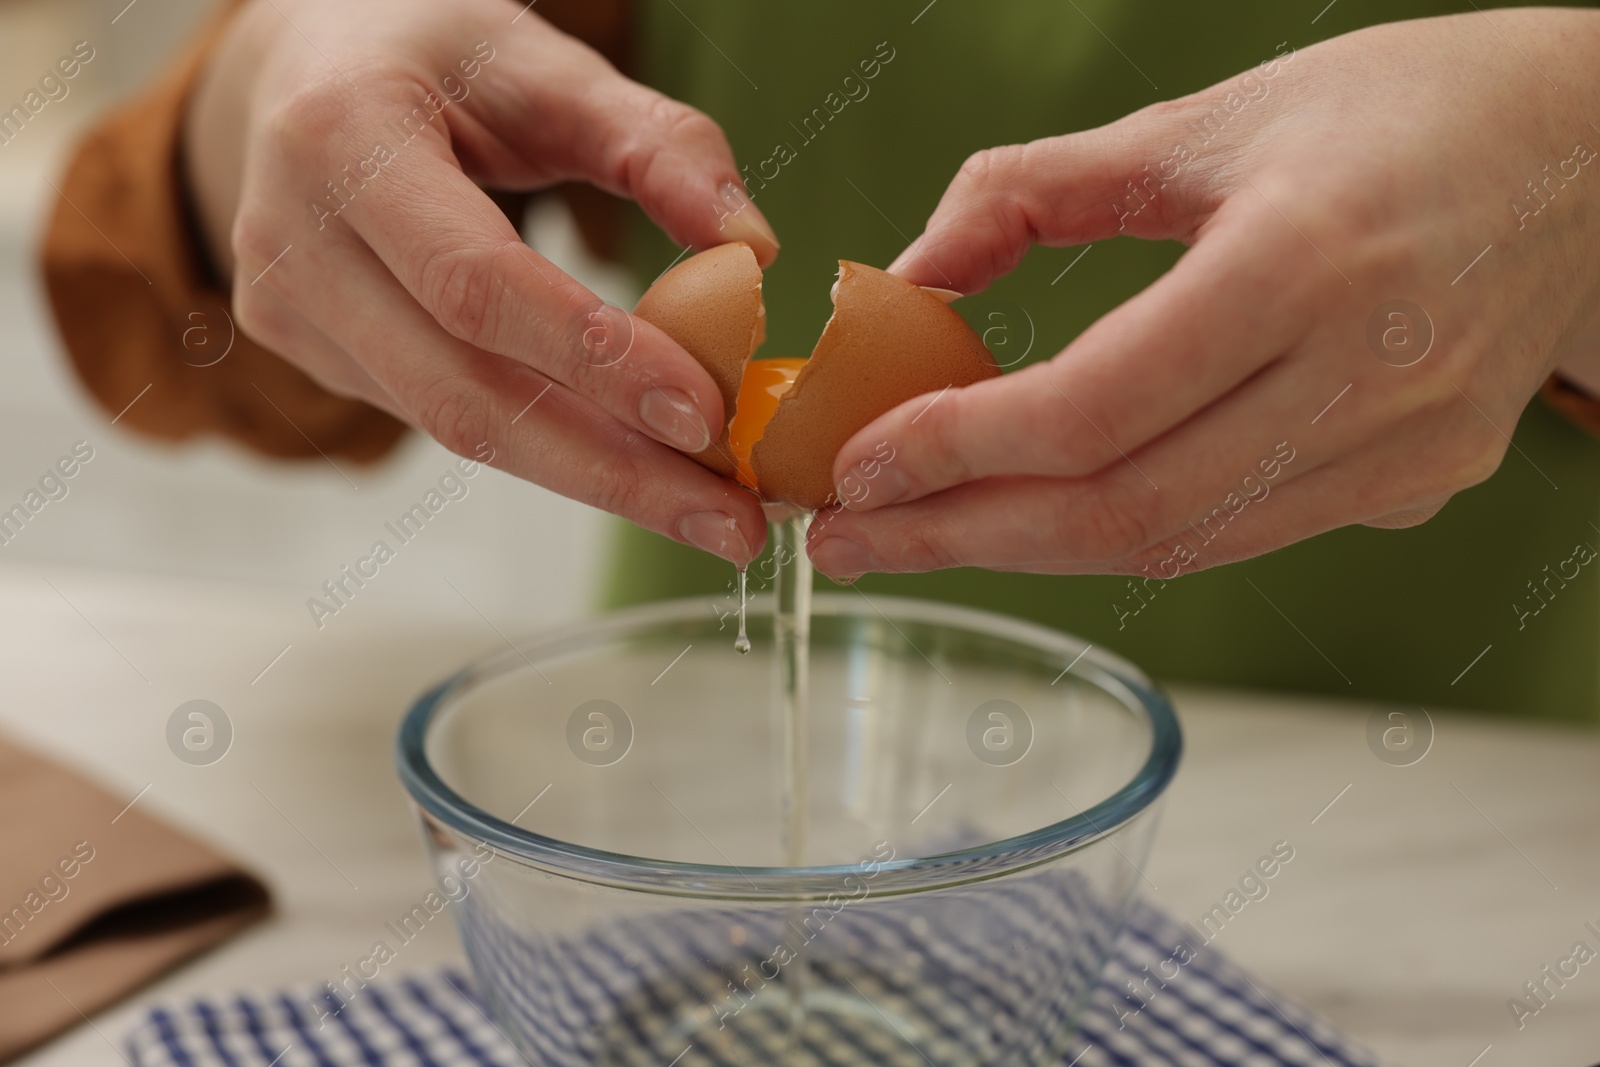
<point x="1395" y="237"/>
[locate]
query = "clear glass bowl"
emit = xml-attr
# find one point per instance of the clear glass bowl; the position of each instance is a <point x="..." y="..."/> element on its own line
<point x="981" y="790"/>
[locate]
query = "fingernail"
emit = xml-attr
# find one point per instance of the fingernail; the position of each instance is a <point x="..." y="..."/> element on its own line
<point x="672" y="416"/>
<point x="719" y="534"/>
<point x="842" y="557"/>
<point x="748" y="225"/>
<point x="949" y="296"/>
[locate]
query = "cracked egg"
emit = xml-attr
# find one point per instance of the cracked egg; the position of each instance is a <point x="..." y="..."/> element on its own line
<point x="887" y="342"/>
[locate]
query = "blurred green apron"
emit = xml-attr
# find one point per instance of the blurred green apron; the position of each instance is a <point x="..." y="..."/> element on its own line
<point x="849" y="167"/>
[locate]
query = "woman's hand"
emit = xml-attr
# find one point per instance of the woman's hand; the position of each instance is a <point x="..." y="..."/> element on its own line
<point x="335" y="153"/>
<point x="1373" y="292"/>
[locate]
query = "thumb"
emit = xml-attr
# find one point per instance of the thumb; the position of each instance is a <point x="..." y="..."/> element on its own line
<point x="1139" y="176"/>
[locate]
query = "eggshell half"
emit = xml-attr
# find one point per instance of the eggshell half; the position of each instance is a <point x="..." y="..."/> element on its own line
<point x="711" y="305"/>
<point x="887" y="342"/>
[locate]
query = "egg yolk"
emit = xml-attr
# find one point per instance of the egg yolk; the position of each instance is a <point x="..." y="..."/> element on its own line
<point x="765" y="382"/>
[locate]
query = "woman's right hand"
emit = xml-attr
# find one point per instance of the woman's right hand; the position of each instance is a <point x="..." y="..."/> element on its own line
<point x="335" y="153"/>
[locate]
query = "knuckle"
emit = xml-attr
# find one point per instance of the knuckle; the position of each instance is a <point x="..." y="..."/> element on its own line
<point x="667" y="124"/>
<point x="314" y="113"/>
<point x="942" y="444"/>
<point x="585" y="341"/>
<point x="1115" y="522"/>
<point x="465" y="290"/>
<point x="255" y="243"/>
<point x="928" y="548"/>
<point x="975" y="168"/>
<point x="1471" y="455"/>
<point x="1147" y="562"/>
<point x="1062" y="445"/>
<point x="452" y="413"/>
<point x="991" y="167"/>
<point x="677" y="121"/>
<point x="614" y="486"/>
<point x="1079" y="433"/>
<point x="1172" y="110"/>
<point x="586" y="344"/>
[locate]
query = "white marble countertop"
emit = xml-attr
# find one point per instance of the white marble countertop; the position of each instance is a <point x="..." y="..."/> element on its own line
<point x="1417" y="903"/>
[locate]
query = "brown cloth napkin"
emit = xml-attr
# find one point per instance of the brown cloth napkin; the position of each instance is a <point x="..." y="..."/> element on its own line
<point x="91" y="908"/>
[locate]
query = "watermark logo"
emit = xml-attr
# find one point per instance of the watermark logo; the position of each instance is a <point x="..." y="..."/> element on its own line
<point x="337" y="993"/>
<point x="1400" y="333"/>
<point x="999" y="733"/>
<point x="1006" y="327"/>
<point x="854" y="87"/>
<point x="1400" y="738"/>
<point x="199" y="732"/>
<point x="599" y="732"/>
<point x="53" y="485"/>
<point x="798" y="933"/>
<point x="199" y="348"/>
<point x="1543" y="190"/>
<point x="1545" y="986"/>
<point x="54" y="86"/>
<point x="608" y="337"/>
<point x="52" y="888"/>
<point x="339" y="591"/>
<point x="857" y="485"/>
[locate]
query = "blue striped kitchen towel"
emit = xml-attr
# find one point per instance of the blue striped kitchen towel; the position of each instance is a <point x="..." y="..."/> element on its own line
<point x="1162" y="1001"/>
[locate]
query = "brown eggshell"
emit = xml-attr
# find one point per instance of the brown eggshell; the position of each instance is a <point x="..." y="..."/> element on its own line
<point x="711" y="305"/>
<point x="887" y="342"/>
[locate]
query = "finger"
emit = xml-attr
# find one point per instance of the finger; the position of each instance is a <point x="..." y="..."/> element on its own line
<point x="1133" y="176"/>
<point x="1193" y="336"/>
<point x="1246" y="502"/>
<point x="1202" y="477"/>
<point x="462" y="260"/>
<point x="582" y="120"/>
<point x="1381" y="485"/>
<point x="477" y="403"/>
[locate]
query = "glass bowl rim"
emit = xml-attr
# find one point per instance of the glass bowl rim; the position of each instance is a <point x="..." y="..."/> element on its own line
<point x="1098" y="667"/>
